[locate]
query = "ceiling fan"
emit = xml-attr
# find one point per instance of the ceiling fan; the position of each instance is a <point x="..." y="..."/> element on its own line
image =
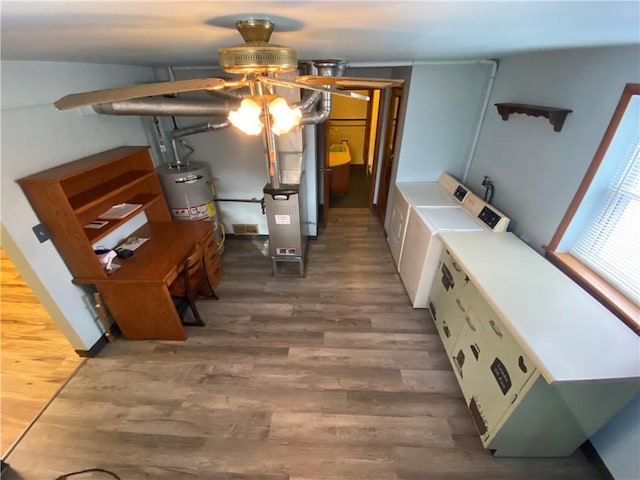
<point x="257" y="61"/>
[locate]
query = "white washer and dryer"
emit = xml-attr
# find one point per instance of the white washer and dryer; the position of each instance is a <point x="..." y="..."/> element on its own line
<point x="446" y="192"/>
<point x="422" y="245"/>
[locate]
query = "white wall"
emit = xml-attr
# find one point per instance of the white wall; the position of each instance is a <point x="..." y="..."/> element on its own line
<point x="442" y="111"/>
<point x="36" y="136"/>
<point x="537" y="171"/>
<point x="439" y="116"/>
<point x="618" y="442"/>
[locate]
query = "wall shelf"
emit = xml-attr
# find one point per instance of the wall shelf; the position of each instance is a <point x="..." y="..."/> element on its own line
<point x="556" y="116"/>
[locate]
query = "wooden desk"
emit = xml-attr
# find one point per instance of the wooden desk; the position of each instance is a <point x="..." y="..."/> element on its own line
<point x="137" y="293"/>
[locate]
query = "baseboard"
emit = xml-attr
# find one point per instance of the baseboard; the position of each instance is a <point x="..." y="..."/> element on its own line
<point x="248" y="236"/>
<point x="594" y="458"/>
<point x="95" y="349"/>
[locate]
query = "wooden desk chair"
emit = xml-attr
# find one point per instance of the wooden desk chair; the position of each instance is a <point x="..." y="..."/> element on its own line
<point x="184" y="289"/>
<point x="212" y="264"/>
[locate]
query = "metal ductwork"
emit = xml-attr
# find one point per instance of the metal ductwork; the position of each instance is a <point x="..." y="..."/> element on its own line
<point x="178" y="107"/>
<point x="168" y="107"/>
<point x="201" y="128"/>
<point x="326" y="68"/>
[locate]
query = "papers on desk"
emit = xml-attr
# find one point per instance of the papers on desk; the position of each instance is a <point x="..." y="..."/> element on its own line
<point x="96" y="224"/>
<point x="121" y="210"/>
<point x="132" y="243"/>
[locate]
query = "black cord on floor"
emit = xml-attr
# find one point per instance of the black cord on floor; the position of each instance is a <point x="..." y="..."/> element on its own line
<point x="67" y="475"/>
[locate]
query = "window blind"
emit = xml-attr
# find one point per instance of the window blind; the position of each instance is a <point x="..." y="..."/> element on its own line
<point x="610" y="245"/>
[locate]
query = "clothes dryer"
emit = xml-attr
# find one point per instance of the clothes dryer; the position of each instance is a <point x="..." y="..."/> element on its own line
<point x="422" y="244"/>
<point x="446" y="192"/>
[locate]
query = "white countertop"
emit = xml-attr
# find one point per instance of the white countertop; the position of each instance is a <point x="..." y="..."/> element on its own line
<point x="569" y="335"/>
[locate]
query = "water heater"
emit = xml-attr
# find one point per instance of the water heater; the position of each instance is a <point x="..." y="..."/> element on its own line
<point x="188" y="193"/>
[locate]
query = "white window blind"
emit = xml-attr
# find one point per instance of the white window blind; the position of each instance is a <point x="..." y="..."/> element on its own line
<point x="610" y="245"/>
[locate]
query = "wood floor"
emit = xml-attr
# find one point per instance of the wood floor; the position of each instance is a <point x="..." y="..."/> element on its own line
<point x="36" y="357"/>
<point x="329" y="377"/>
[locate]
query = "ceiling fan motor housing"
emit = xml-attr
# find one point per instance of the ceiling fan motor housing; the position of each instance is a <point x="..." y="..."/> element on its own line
<point x="257" y="55"/>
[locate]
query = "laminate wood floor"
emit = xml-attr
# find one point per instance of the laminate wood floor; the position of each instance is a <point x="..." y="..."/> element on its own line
<point x="333" y="376"/>
<point x="36" y="357"/>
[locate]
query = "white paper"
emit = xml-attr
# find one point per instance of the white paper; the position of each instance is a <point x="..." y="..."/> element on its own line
<point x="283" y="220"/>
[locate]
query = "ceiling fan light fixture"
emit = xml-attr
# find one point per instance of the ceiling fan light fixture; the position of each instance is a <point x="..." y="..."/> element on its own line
<point x="257" y="55"/>
<point x="247" y="117"/>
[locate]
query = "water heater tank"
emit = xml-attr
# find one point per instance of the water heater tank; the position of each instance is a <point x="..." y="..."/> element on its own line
<point x="188" y="193"/>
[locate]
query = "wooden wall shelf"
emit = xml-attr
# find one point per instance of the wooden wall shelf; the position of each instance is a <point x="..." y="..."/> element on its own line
<point x="556" y="116"/>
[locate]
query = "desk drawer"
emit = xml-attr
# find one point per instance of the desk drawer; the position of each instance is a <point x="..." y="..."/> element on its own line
<point x="215" y="272"/>
<point x="212" y="260"/>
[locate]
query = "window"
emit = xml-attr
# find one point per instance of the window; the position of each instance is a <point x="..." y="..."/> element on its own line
<point x="598" y="240"/>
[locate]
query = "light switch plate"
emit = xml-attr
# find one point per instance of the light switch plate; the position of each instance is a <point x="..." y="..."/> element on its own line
<point x="41" y="233"/>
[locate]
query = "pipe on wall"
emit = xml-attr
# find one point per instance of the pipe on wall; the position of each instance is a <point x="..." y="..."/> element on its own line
<point x="483" y="112"/>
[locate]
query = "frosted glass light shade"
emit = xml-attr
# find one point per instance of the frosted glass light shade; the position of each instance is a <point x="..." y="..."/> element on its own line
<point x="247" y="117"/>
<point x="284" y="117"/>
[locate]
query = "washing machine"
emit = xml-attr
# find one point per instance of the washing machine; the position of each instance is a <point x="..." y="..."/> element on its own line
<point x="422" y="245"/>
<point x="446" y="192"/>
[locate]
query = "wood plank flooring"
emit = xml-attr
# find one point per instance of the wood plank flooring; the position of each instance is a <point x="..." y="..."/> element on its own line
<point x="329" y="377"/>
<point x="36" y="357"/>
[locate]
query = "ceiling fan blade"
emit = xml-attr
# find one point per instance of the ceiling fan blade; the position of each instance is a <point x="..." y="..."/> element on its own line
<point x="350" y="82"/>
<point x="137" y="91"/>
<point x="317" y="88"/>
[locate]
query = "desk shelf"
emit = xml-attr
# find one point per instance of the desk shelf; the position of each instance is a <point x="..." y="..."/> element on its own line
<point x="104" y="192"/>
<point x="71" y="195"/>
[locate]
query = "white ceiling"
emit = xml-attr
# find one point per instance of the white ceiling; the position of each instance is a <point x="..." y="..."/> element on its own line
<point x="157" y="33"/>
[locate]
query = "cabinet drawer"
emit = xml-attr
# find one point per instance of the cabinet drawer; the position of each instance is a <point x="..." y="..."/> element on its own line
<point x="215" y="272"/>
<point x="449" y="300"/>
<point x="212" y="260"/>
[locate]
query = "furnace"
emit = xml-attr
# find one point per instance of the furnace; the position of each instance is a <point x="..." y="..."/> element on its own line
<point x="285" y="208"/>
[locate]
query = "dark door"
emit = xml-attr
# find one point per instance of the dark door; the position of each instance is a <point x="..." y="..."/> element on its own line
<point x="325" y="170"/>
<point x="386" y="164"/>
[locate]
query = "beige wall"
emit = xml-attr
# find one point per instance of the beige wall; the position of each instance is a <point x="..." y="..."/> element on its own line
<point x="348" y="122"/>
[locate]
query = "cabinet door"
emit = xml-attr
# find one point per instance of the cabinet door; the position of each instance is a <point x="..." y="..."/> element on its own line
<point x="397" y="225"/>
<point x="500" y="370"/>
<point x="510" y="366"/>
<point x="448" y="298"/>
<point x="469" y="359"/>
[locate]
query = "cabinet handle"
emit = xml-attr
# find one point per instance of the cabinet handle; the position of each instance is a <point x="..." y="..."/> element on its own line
<point x="470" y="323"/>
<point x="514" y="398"/>
<point x="495" y="328"/>
<point x="460" y="305"/>
<point x="456" y="266"/>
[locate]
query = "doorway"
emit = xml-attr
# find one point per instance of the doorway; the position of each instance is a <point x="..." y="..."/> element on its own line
<point x="368" y="129"/>
<point x="37" y="358"/>
<point x="387" y="152"/>
<point x="348" y="135"/>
